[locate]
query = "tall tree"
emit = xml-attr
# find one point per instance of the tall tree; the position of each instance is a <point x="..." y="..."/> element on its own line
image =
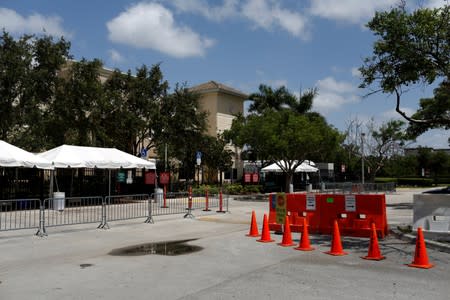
<point x="29" y="69"/>
<point x="374" y="143"/>
<point x="384" y="142"/>
<point x="287" y="138"/>
<point x="182" y="127"/>
<point x="412" y="48"/>
<point x="275" y="100"/>
<point x="75" y="110"/>
<point x="15" y="61"/>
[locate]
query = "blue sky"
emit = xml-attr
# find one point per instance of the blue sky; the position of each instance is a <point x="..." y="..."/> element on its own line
<point x="241" y="43"/>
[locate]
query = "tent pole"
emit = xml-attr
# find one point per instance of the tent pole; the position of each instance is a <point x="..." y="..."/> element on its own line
<point x="104" y="224"/>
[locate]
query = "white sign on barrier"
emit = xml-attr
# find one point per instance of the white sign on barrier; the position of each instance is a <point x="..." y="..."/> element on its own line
<point x="310" y="202"/>
<point x="350" y="203"/>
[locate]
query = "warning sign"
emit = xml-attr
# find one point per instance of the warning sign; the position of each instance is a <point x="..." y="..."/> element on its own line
<point x="350" y="203"/>
<point x="281" y="208"/>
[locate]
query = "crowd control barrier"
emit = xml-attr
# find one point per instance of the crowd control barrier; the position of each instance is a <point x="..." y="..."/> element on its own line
<point x="354" y="213"/>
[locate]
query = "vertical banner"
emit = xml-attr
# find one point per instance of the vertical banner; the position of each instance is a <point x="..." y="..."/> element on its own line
<point x="255" y="178"/>
<point x="281" y="208"/>
<point x="247" y="177"/>
<point x="164" y="178"/>
<point x="149" y="177"/>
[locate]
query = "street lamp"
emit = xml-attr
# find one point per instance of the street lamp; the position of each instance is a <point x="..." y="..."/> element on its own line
<point x="362" y="157"/>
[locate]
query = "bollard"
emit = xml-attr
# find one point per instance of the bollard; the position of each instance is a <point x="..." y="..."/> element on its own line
<point x="206" y="201"/>
<point x="189" y="208"/>
<point x="164" y="197"/>
<point x="220" y="203"/>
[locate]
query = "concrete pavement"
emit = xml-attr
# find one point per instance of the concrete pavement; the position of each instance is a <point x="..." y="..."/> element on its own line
<point x="73" y="262"/>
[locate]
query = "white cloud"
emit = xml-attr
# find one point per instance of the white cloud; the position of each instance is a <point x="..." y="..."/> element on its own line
<point x="354" y="11"/>
<point x="15" y="23"/>
<point x="202" y="7"/>
<point x="265" y="14"/>
<point x="152" y="26"/>
<point x="436" y="138"/>
<point x="436" y="3"/>
<point x="115" y="56"/>
<point x="356" y="72"/>
<point x="332" y="95"/>
<point x="268" y="14"/>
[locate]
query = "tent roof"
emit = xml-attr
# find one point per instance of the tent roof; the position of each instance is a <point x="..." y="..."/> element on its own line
<point x="68" y="156"/>
<point x="306" y="166"/>
<point x="12" y="156"/>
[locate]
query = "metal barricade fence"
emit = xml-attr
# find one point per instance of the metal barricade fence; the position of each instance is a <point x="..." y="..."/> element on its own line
<point x="127" y="207"/>
<point x="19" y="214"/>
<point x="75" y="210"/>
<point x="349" y="187"/>
<point x="170" y="203"/>
<point x="34" y="213"/>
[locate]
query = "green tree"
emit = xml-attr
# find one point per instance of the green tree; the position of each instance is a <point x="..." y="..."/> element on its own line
<point x="279" y="99"/>
<point x="216" y="155"/>
<point x="287" y="138"/>
<point x="76" y="108"/>
<point x="386" y="141"/>
<point x="15" y="61"/>
<point x="182" y="127"/>
<point x="439" y="163"/>
<point x="412" y="48"/>
<point x="28" y="81"/>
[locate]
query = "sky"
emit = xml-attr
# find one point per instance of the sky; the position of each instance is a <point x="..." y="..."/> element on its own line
<point x="300" y="44"/>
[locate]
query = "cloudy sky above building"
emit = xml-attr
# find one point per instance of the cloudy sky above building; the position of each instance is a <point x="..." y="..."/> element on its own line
<point x="241" y="43"/>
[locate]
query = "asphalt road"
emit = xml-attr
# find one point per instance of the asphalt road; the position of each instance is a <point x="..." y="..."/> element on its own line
<point x="73" y="262"/>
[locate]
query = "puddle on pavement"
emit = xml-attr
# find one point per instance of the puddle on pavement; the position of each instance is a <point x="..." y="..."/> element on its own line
<point x="169" y="248"/>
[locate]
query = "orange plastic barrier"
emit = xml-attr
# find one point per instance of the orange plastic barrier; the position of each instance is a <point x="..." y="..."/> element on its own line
<point x="299" y="207"/>
<point x="354" y="213"/>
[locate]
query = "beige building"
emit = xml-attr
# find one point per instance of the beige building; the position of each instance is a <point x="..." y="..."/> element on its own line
<point x="222" y="103"/>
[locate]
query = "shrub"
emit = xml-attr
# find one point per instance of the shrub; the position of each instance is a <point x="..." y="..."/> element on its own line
<point x="385" y="179"/>
<point x="252" y="189"/>
<point x="201" y="190"/>
<point x="415" y="181"/>
<point x="233" y="189"/>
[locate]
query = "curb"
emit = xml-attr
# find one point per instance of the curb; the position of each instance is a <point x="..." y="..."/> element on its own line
<point x="442" y="247"/>
<point x="255" y="197"/>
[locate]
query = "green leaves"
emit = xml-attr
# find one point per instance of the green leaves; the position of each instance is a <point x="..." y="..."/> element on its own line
<point x="411" y="48"/>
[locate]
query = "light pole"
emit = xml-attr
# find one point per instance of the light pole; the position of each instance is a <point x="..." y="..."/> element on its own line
<point x="362" y="157"/>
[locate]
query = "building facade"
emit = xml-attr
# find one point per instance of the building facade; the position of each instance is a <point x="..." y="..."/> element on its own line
<point x="222" y="103"/>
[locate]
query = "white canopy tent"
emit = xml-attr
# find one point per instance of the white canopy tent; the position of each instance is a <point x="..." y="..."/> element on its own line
<point x="68" y="156"/>
<point x="12" y="156"/>
<point x="307" y="166"/>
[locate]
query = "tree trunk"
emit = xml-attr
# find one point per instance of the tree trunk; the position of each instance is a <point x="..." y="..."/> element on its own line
<point x="289" y="177"/>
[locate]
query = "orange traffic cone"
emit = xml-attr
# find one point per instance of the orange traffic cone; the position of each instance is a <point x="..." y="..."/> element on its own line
<point x="420" y="255"/>
<point x="374" y="250"/>
<point x="253" y="232"/>
<point x="265" y="236"/>
<point x="336" y="245"/>
<point x="287" y="237"/>
<point x="304" y="240"/>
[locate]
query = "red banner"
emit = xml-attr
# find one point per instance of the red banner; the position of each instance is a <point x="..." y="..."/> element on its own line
<point x="255" y="177"/>
<point x="164" y="178"/>
<point x="150" y="177"/>
<point x="247" y="177"/>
